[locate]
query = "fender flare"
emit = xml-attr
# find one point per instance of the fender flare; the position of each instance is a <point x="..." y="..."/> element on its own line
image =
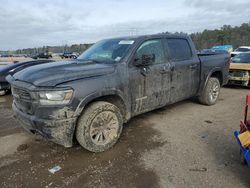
<point x="215" y="69"/>
<point x="98" y="94"/>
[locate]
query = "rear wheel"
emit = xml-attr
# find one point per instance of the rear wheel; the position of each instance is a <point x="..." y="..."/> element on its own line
<point x="210" y="93"/>
<point x="99" y="127"/>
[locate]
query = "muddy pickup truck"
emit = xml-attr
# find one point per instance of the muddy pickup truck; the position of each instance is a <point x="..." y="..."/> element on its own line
<point x="89" y="99"/>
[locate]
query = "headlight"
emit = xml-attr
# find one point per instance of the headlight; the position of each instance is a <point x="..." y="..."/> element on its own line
<point x="55" y="97"/>
<point x="245" y="73"/>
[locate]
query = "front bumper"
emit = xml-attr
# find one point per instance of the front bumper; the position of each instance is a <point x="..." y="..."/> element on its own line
<point x="236" y="78"/>
<point x="59" y="131"/>
<point x="239" y="77"/>
<point x="241" y="81"/>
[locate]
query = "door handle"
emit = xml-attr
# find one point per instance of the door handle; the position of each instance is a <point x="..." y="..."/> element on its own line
<point x="194" y="66"/>
<point x="144" y="71"/>
<point x="166" y="69"/>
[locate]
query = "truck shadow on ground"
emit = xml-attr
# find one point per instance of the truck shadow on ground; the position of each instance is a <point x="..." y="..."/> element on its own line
<point x="117" y="167"/>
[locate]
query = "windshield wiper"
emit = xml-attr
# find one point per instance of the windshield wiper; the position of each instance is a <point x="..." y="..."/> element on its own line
<point x="98" y="62"/>
<point x="95" y="61"/>
<point x="90" y="60"/>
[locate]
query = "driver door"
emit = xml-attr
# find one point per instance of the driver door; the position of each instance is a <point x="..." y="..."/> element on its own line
<point x="149" y="84"/>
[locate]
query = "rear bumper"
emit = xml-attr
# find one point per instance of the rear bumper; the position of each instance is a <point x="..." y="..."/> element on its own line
<point x="58" y="131"/>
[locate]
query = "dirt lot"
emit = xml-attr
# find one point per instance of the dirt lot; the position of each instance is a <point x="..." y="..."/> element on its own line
<point x="183" y="145"/>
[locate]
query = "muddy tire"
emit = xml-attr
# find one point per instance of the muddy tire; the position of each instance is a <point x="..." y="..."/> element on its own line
<point x="210" y="93"/>
<point x="99" y="127"/>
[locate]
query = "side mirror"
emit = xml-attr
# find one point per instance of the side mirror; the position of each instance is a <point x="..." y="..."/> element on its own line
<point x="144" y="60"/>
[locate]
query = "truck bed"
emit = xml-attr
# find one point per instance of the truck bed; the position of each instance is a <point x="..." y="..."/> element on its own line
<point x="216" y="61"/>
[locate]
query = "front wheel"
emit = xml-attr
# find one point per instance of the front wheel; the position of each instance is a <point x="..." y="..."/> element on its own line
<point x="210" y="93"/>
<point x="99" y="127"/>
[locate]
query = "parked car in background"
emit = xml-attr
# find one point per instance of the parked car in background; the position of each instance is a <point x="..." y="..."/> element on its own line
<point x="239" y="50"/>
<point x="43" y="56"/>
<point x="228" y="48"/>
<point x="239" y="73"/>
<point x="114" y="80"/>
<point x="6" y="55"/>
<point x="71" y="55"/>
<point x="11" y="68"/>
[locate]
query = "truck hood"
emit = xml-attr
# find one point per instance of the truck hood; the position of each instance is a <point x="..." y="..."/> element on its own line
<point x="240" y="66"/>
<point x="56" y="73"/>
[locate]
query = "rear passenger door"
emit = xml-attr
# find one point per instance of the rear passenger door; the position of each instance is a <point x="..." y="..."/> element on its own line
<point x="185" y="76"/>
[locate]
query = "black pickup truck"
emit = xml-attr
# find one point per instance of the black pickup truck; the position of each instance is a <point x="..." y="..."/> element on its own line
<point x="91" y="97"/>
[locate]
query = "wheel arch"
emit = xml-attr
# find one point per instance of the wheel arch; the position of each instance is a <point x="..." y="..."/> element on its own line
<point x="114" y="97"/>
<point x="216" y="72"/>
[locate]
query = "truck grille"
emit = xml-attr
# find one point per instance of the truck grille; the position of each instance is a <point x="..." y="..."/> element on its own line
<point x="22" y="100"/>
<point x="21" y="93"/>
<point x="237" y="73"/>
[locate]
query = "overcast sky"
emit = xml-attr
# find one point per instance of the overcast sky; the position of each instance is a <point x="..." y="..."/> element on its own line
<point x="30" y="23"/>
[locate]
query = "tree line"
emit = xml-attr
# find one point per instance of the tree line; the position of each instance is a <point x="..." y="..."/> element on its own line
<point x="236" y="36"/>
<point x="54" y="49"/>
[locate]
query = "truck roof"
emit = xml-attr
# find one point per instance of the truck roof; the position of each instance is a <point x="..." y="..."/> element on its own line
<point x="151" y="36"/>
<point x="248" y="47"/>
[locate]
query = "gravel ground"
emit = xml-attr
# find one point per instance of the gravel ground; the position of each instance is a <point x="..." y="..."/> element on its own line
<point x="182" y="145"/>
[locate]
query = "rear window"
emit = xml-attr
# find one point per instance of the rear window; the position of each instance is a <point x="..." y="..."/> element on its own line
<point x="179" y="49"/>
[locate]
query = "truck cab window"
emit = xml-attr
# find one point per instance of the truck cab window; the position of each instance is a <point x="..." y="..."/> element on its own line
<point x="179" y="49"/>
<point x="152" y="47"/>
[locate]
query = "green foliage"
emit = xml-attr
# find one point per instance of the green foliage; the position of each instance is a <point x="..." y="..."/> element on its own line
<point x="236" y="36"/>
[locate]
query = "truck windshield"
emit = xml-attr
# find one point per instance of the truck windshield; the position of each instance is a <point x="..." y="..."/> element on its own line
<point x="241" y="58"/>
<point x="107" y="51"/>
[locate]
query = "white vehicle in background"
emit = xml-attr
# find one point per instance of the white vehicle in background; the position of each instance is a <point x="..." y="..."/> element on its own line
<point x="239" y="50"/>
